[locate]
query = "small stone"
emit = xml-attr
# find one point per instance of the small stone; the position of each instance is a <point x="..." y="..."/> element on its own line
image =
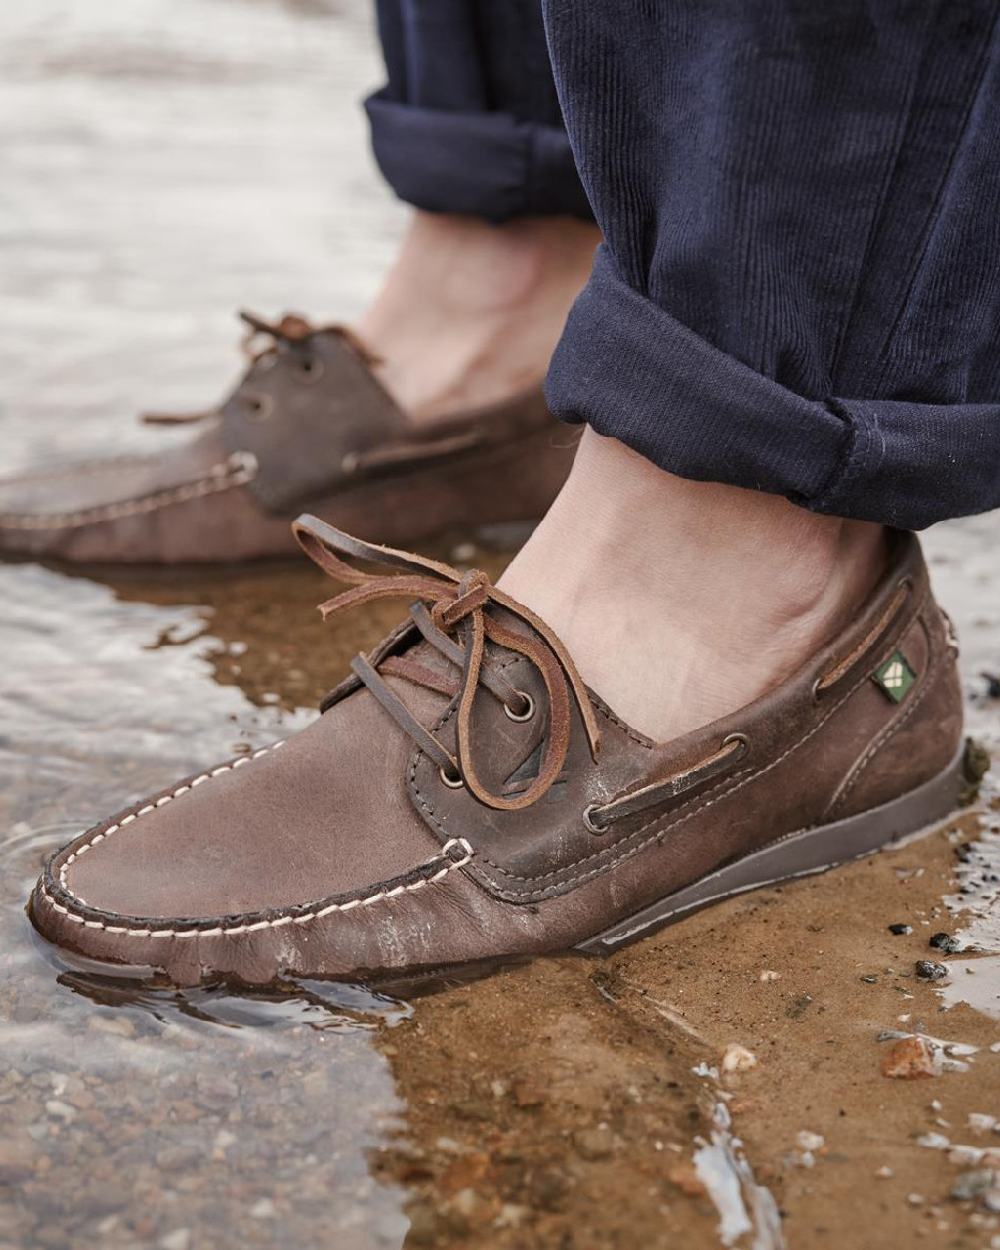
<point x="870" y="978"/>
<point x="426" y="1225"/>
<point x="215" y="1090"/>
<point x="263" y="1209"/>
<point x="770" y="975"/>
<point x="991" y="1199"/>
<point x="178" y="1158"/>
<point x="736" y="1058"/>
<point x="120" y="1026"/>
<point x="465" y="1202"/>
<point x="981" y="1123"/>
<point x="511" y="1215"/>
<point x="60" y="1110"/>
<point x="945" y="942"/>
<point x="915" y="1200"/>
<point x="934" y="1141"/>
<point x="909" y="1059"/>
<point x="901" y="930"/>
<point x="965" y="1154"/>
<point x="972" y="1184"/>
<point x="809" y="1141"/>
<point x="526" y="1094"/>
<point x="884" y="1173"/>
<point x="16" y="1161"/>
<point x="179" y="1239"/>
<point x="594" y="1143"/>
<point x="687" y="1180"/>
<point x="930" y="971"/>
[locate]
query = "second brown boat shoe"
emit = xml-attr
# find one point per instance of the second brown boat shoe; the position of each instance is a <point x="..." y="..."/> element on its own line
<point x="309" y="425"/>
<point x="464" y="797"/>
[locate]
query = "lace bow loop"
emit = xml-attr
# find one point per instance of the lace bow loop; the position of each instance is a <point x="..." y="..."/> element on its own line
<point x="458" y="602"/>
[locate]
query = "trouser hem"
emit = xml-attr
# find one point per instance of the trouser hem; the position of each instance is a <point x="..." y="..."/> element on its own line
<point x="481" y="164"/>
<point x="633" y="372"/>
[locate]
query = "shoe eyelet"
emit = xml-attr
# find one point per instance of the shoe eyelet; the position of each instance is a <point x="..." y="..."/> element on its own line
<point x="528" y="712"/>
<point x="588" y="820"/>
<point x="453" y="783"/>
<point x="309" y="370"/>
<point x="742" y="739"/>
<point x="351" y="462"/>
<point x="260" y="407"/>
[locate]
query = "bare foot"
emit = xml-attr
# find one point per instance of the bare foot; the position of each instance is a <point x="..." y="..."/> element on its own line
<point x="683" y="601"/>
<point x="470" y="312"/>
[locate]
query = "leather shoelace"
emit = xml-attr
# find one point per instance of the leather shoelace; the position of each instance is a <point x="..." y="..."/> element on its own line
<point x="449" y="602"/>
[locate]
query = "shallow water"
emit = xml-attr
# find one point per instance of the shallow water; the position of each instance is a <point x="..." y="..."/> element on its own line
<point x="177" y="150"/>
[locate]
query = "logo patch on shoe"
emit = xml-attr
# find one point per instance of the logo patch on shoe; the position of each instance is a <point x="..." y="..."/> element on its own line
<point x="895" y="677"/>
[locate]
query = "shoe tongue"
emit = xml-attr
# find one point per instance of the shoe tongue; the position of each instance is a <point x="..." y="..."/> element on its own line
<point x="309" y="412"/>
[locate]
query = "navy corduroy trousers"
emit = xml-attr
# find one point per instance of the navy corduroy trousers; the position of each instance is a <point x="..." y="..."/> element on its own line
<point x="799" y="288"/>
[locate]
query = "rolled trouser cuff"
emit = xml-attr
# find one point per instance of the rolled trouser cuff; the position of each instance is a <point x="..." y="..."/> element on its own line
<point x="483" y="164"/>
<point x="633" y="372"/>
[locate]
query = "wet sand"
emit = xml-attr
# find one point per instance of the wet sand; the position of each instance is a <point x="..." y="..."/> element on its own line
<point x="567" y="1103"/>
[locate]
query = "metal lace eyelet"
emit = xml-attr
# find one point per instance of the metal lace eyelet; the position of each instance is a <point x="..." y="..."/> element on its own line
<point x="742" y="739"/>
<point x="310" y="369"/>
<point x="453" y="783"/>
<point x="351" y="462"/>
<point x="528" y="712"/>
<point x="588" y="820"/>
<point x="260" y="407"/>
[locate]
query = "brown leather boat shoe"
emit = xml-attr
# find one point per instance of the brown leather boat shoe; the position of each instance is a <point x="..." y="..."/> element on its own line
<point x="464" y="797"/>
<point x="308" y="425"/>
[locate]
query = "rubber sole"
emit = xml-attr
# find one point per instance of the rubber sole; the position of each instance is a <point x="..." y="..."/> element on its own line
<point x="798" y="854"/>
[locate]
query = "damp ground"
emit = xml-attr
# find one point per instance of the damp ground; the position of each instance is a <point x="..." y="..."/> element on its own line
<point x="722" y="1082"/>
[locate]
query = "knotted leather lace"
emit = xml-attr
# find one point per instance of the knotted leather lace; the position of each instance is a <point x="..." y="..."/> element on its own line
<point x="448" y="602"/>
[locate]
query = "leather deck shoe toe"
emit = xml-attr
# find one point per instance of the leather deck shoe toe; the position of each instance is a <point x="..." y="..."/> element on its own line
<point x="465" y="797"/>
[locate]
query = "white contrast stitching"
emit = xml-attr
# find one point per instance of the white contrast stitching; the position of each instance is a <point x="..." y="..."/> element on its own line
<point x="217" y="931"/>
<point x="319" y="914"/>
<point x="237" y="470"/>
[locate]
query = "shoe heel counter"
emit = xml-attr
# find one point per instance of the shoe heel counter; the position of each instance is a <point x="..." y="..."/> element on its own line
<point x="904" y="744"/>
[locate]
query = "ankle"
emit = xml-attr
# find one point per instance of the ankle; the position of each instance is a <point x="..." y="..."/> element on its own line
<point x="471" y="312"/>
<point x="716" y="596"/>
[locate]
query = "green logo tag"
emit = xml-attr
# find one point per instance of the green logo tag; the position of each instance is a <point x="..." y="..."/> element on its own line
<point x="895" y="677"/>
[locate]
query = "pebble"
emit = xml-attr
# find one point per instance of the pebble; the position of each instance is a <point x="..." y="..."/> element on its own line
<point x="60" y="1110"/>
<point x="945" y="942"/>
<point x="770" y="975"/>
<point x="263" y="1209"/>
<point x="16" y="1161"/>
<point x="215" y="1090"/>
<point x="981" y="1123"/>
<point x="179" y="1239"/>
<point x="687" y="1180"/>
<point x="120" y="1026"/>
<point x="736" y="1058"/>
<point x="972" y="1184"/>
<point x="928" y="970"/>
<point x="810" y="1141"/>
<point x="901" y="930"/>
<point x="884" y="1173"/>
<point x="594" y="1143"/>
<point x="909" y="1059"/>
<point x="178" y="1157"/>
